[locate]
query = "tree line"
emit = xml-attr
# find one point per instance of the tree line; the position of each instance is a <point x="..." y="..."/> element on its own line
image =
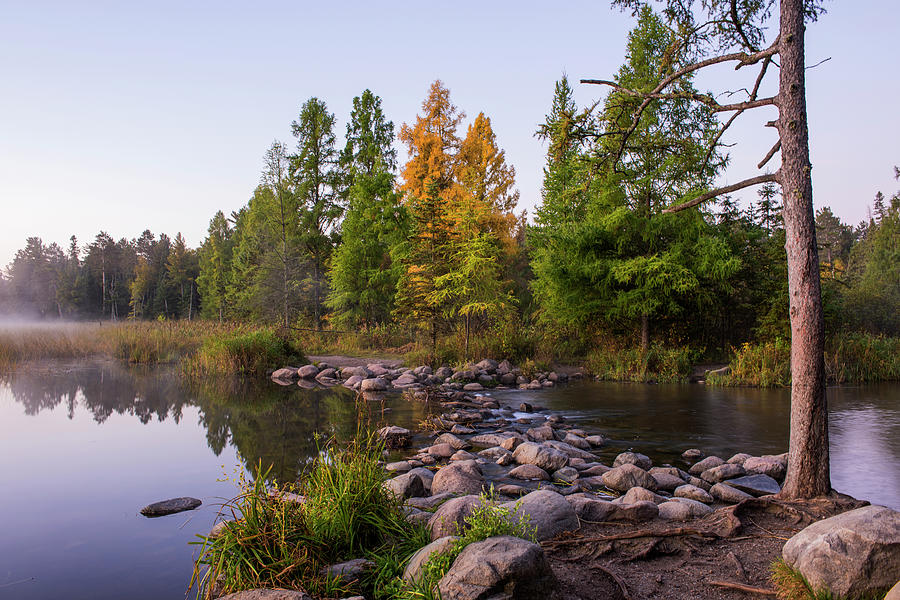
<point x="343" y="237"/>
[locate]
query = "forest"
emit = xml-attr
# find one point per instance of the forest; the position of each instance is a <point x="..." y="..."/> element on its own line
<point x="435" y="255"/>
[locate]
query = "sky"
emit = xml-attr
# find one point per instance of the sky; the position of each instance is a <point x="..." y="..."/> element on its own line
<point x="125" y="116"/>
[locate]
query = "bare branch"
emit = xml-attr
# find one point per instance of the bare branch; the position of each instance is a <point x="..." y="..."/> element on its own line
<point x="769" y="156"/>
<point x="742" y="106"/>
<point x="768" y="177"/>
<point x="824" y="60"/>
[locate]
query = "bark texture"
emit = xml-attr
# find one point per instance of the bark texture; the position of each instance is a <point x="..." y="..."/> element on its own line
<point x="808" y="463"/>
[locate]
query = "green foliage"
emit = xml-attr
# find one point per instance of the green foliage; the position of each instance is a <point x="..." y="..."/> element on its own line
<point x="215" y="257"/>
<point x="790" y="584"/>
<point x="658" y="363"/>
<point x="765" y="365"/>
<point x="243" y="352"/>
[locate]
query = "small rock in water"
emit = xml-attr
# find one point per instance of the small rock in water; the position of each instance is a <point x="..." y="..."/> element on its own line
<point x="757" y="485"/>
<point x="692" y="454"/>
<point x="171" y="506"/>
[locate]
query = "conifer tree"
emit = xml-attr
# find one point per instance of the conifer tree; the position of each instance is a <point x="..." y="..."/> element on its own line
<point x="215" y="257"/>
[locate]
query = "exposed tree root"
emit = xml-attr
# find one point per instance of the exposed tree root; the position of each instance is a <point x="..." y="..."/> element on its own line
<point x="744" y="588"/>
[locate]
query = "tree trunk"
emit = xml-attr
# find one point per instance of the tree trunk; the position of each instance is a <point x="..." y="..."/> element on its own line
<point x="645" y="333"/>
<point x="467" y="337"/>
<point x="808" y="464"/>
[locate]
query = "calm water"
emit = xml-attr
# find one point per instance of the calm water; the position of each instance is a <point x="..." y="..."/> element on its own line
<point x="83" y="447"/>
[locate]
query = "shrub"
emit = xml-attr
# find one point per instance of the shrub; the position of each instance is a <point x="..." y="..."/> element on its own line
<point x="658" y="363"/>
<point x="248" y="353"/>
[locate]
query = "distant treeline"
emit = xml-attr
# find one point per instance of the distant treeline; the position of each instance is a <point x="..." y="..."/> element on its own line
<point x="345" y="238"/>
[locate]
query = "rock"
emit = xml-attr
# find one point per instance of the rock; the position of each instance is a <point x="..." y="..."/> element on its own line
<point x="755" y="485"/>
<point x="495" y="453"/>
<point x="894" y="593"/>
<point x="327" y="374"/>
<point x="595" y="440"/>
<point x="589" y="508"/>
<point x="425" y="475"/>
<point x="449" y="438"/>
<point x="852" y="554"/>
<point x="401" y="466"/>
<point x="361" y="372"/>
<point x="698" y="509"/>
<point x="639" y="494"/>
<point x="463" y="477"/>
<point x="462" y="455"/>
<point x="441" y="450"/>
<point x="171" y="506"/>
<point x="697" y="482"/>
<point x="739" y="459"/>
<point x="576" y="441"/>
<point x="285" y="374"/>
<point x="464" y="375"/>
<point x="499" y="567"/>
<point x="378" y="370"/>
<point x="707" y="463"/>
<point x="728" y="494"/>
<point x="595" y="470"/>
<point x="722" y="472"/>
<point x="450" y="516"/>
<point x="485" y="379"/>
<point x="504" y="367"/>
<point x="308" y="371"/>
<point x="488" y="440"/>
<point x="566" y="474"/>
<point x="570" y="450"/>
<point x="637" y="512"/>
<point x="405" y="380"/>
<point x="633" y="458"/>
<point x="627" y="476"/>
<point x="413" y="571"/>
<point x="548" y="511"/>
<point x="511" y="443"/>
<point x="488" y="365"/>
<point x="546" y="458"/>
<point x="758" y="465"/>
<point x="675" y="511"/>
<point x="473" y="387"/>
<point x="405" y="486"/>
<point x="444" y="372"/>
<point x="375" y="384"/>
<point x="261" y="594"/>
<point x="429" y="502"/>
<point x="692" y="492"/>
<point x="512" y="490"/>
<point x="350" y="571"/>
<point x="667" y="482"/>
<point x="394" y="437"/>
<point x="691" y="454"/>
<point x="507" y="379"/>
<point x="531" y="472"/>
<point x="461" y="430"/>
<point x="540" y="434"/>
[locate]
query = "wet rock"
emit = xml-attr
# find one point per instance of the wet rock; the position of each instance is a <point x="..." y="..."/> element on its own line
<point x="548" y="511"/>
<point x="405" y="486"/>
<point x="429" y="502"/>
<point x="451" y="515"/>
<point x="576" y="441"/>
<point x="308" y="371"/>
<point x="463" y="477"/>
<point x="591" y="508"/>
<point x="570" y="450"/>
<point x="633" y="458"/>
<point x="566" y="475"/>
<point x="512" y="490"/>
<point x="738" y="459"/>
<point x="595" y="440"/>
<point x="285" y="374"/>
<point x="530" y="472"/>
<point x="495" y="453"/>
<point x="170" y="507"/>
<point x="722" y="472"/>
<point x="667" y="482"/>
<point x="692" y="492"/>
<point x="462" y="455"/>
<point x="627" y="476"/>
<point x="499" y="567"/>
<point x="755" y="485"/>
<point x="758" y="465"/>
<point x="350" y="571"/>
<point x="639" y="494"/>
<point x="394" y="437"/>
<point x="473" y="387"/>
<point x="852" y="554"/>
<point x="511" y="443"/>
<point x="457" y="443"/>
<point x="692" y="454"/>
<point x="461" y="430"/>
<point x="405" y="380"/>
<point x="540" y="434"/>
<point x="440" y="450"/>
<point x="595" y="470"/>
<point x="375" y="384"/>
<point x="413" y="571"/>
<point x="707" y="463"/>
<point x="401" y="466"/>
<point x="546" y="458"/>
<point x="637" y="512"/>
<point x="488" y="440"/>
<point x="728" y="494"/>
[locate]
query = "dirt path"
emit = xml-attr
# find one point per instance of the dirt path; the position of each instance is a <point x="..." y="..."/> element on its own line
<point x="337" y="360"/>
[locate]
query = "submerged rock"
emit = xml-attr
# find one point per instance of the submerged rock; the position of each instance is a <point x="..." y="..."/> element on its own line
<point x="171" y="506"/>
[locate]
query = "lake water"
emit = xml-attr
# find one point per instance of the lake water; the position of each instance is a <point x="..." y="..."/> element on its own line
<point x="84" y="446"/>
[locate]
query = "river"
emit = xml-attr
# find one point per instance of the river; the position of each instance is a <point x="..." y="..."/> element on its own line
<point x="85" y="445"/>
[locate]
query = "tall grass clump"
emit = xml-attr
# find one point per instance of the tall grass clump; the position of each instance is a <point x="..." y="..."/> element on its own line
<point x="487" y="520"/>
<point x="250" y="352"/>
<point x="862" y="358"/>
<point x="766" y="364"/>
<point x="22" y="343"/>
<point x="658" y="363"/>
<point x="151" y="342"/>
<point x="271" y="541"/>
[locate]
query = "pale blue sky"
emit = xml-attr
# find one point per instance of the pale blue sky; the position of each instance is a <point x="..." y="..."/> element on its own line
<point x="125" y="116"/>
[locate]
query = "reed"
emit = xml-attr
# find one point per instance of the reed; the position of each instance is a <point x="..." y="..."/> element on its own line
<point x="659" y="363"/>
<point x="244" y="352"/>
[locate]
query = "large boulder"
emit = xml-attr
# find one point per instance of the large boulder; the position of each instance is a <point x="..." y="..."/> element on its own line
<point x="853" y="554"/>
<point x="548" y="511"/>
<point x="624" y="477"/>
<point x="463" y="477"/>
<point x="499" y="567"/>
<point x="425" y="475"/>
<point x="546" y="458"/>
<point x="413" y="571"/>
<point x="451" y="515"/>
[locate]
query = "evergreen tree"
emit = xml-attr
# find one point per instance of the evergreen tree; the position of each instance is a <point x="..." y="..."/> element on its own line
<point x="215" y="258"/>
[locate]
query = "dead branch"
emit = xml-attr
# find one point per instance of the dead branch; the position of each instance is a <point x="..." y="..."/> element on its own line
<point x="738" y="566"/>
<point x="744" y="588"/>
<point x="618" y="581"/>
<point x="723" y="190"/>
<point x="631" y="535"/>
<point x="742" y="106"/>
<point x="769" y="155"/>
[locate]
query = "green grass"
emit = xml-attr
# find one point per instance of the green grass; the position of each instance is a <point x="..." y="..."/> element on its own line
<point x="487" y="520"/>
<point x="790" y="584"/>
<point x="659" y="363"/>
<point x="243" y="352"/>
<point x="347" y="514"/>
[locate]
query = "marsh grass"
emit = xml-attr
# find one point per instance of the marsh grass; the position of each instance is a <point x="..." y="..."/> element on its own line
<point x="244" y="352"/>
<point x="659" y="363"/>
<point x="790" y="584"/>
<point x="346" y="514"/>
